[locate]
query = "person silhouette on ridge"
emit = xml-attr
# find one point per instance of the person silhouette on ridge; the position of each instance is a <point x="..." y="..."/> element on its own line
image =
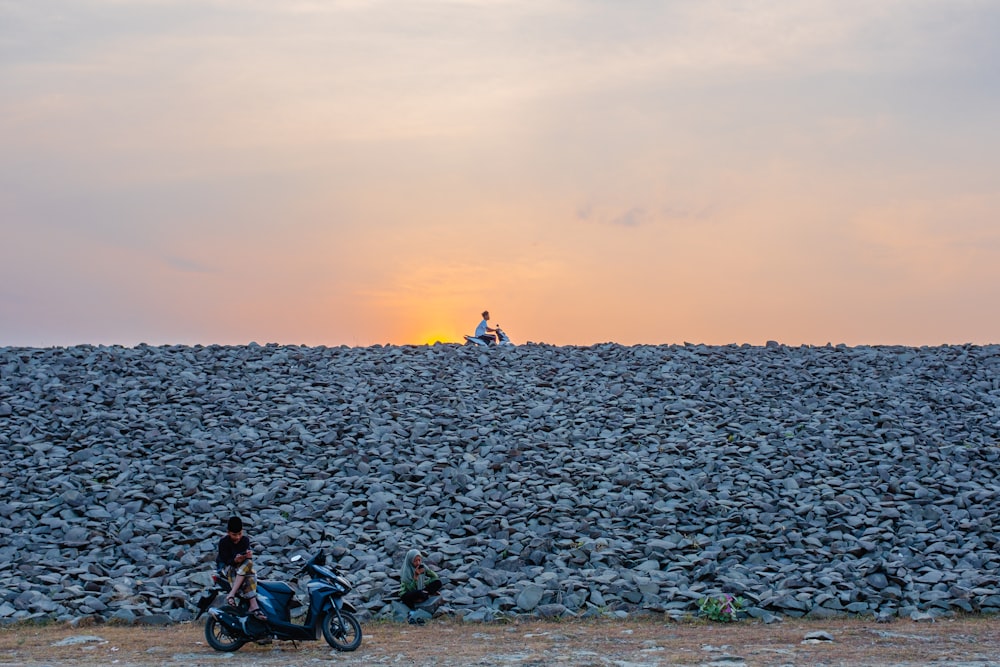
<point x="484" y="331"/>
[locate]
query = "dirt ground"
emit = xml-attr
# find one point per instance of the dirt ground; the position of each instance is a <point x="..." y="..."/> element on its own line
<point x="965" y="642"/>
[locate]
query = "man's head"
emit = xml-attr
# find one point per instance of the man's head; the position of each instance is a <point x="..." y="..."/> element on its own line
<point x="234" y="528"/>
<point x="486" y="314"/>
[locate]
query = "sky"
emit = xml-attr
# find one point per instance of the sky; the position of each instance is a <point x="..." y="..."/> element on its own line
<point x="361" y="172"/>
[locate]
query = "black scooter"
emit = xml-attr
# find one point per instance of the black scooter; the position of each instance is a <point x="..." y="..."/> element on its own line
<point x="228" y="628"/>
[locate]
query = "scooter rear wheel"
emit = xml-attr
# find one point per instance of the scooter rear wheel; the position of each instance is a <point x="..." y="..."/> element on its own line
<point x="218" y="637"/>
<point x="344" y="636"/>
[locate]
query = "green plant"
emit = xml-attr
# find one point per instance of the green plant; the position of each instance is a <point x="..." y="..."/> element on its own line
<point x="723" y="609"/>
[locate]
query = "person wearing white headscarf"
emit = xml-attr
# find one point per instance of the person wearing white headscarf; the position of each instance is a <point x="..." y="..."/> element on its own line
<point x="417" y="583"/>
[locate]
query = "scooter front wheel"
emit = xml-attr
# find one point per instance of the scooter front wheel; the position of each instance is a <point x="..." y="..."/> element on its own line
<point x="344" y="636"/>
<point x="218" y="637"/>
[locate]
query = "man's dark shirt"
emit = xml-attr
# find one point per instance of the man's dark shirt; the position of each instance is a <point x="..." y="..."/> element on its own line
<point x="229" y="550"/>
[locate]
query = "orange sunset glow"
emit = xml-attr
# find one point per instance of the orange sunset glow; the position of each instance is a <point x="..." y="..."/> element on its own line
<point x="365" y="172"/>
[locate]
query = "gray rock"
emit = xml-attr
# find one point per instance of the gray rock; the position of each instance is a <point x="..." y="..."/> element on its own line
<point x="80" y="639"/>
<point x="529" y="597"/>
<point x="615" y="480"/>
<point x="553" y="610"/>
<point x="123" y="615"/>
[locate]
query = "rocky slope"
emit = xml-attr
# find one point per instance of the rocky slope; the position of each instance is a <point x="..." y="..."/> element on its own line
<point x="538" y="479"/>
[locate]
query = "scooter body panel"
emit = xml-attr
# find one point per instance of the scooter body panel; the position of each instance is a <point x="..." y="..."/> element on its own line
<point x="275" y="599"/>
<point x="320" y="595"/>
<point x="239" y="624"/>
<point x="291" y="631"/>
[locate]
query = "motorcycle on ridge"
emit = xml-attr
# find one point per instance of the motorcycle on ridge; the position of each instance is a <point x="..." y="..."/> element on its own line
<point x="502" y="339"/>
<point x="228" y="628"/>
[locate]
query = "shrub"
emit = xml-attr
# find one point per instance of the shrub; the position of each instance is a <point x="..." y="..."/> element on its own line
<point x="723" y="609"/>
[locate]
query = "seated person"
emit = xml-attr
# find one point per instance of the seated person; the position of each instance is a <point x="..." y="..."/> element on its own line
<point x="235" y="561"/>
<point x="484" y="331"/>
<point x="416" y="584"/>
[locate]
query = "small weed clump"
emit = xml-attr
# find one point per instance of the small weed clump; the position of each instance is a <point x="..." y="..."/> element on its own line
<point x="724" y="609"/>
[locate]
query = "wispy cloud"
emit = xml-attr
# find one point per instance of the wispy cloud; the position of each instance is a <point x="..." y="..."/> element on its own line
<point x="631" y="218"/>
<point x="187" y="265"/>
<point x="642" y="216"/>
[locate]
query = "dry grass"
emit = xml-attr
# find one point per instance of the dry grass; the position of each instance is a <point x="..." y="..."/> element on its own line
<point x="593" y="642"/>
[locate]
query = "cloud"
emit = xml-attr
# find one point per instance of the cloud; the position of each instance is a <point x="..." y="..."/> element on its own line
<point x="630" y="218"/>
<point x="642" y="216"/>
<point x="187" y="265"/>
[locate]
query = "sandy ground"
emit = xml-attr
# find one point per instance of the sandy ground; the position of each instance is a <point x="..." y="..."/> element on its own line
<point x="962" y="642"/>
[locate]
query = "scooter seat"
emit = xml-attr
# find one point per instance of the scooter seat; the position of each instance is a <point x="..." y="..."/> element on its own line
<point x="276" y="587"/>
<point x="477" y="341"/>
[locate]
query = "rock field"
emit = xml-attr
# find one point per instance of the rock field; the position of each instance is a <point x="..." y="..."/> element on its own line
<point x="543" y="480"/>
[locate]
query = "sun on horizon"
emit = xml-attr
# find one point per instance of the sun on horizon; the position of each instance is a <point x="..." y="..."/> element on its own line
<point x="439" y="336"/>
